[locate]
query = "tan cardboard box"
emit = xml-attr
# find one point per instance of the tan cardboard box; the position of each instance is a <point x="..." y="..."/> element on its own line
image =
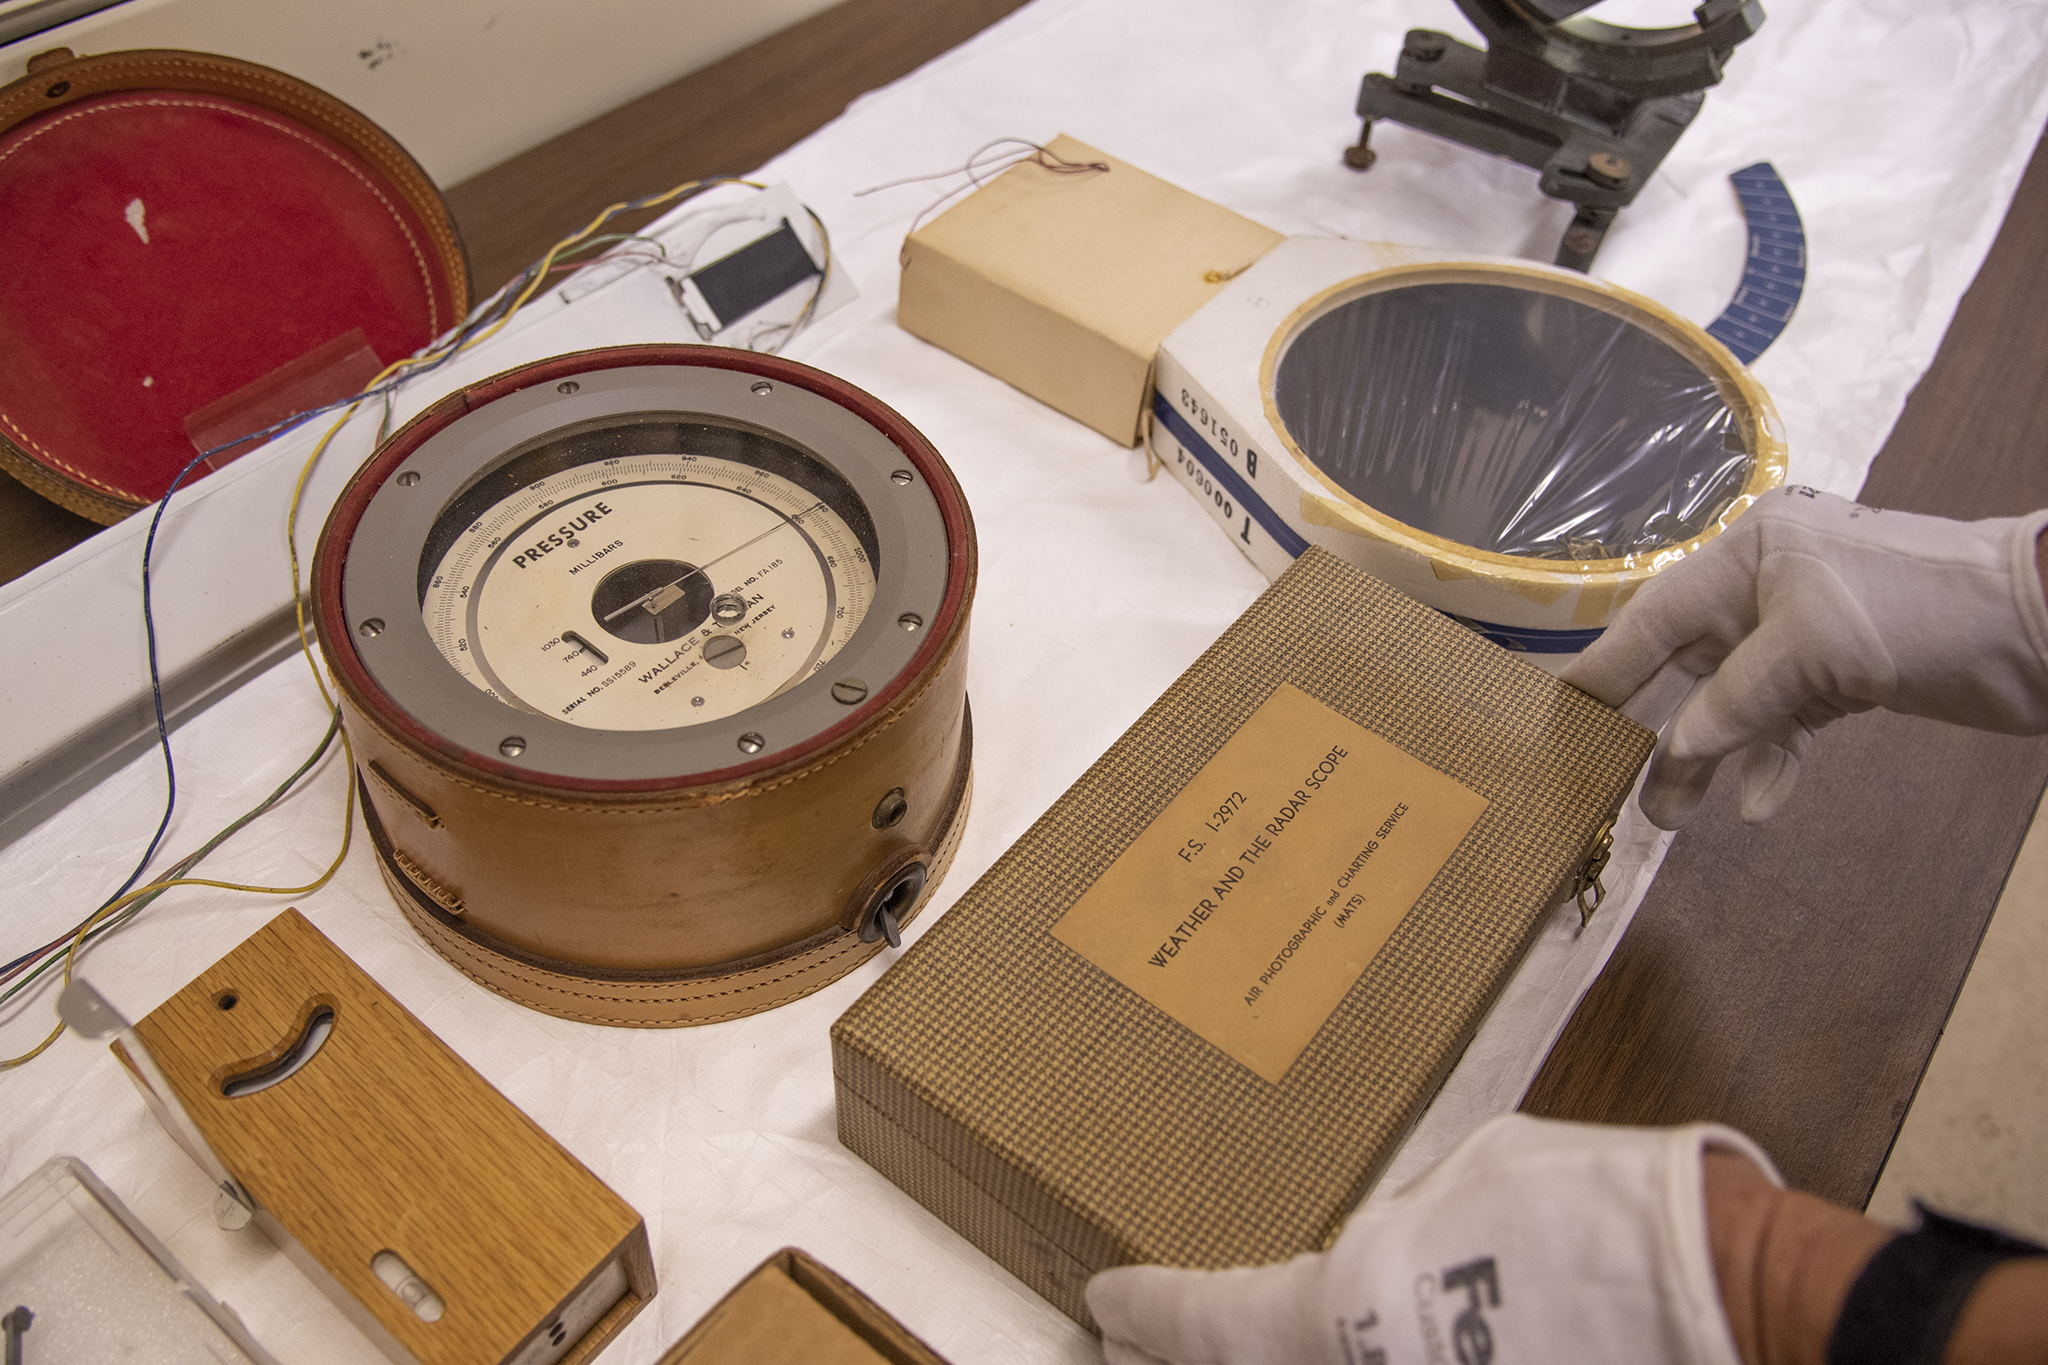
<point x="1065" y="284"/>
<point x="1189" y="1015"/>
<point x="793" y="1311"/>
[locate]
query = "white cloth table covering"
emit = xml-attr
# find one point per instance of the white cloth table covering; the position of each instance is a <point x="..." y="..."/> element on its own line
<point x="1900" y="129"/>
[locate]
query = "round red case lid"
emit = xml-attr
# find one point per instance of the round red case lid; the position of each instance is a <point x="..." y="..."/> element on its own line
<point x="200" y="247"/>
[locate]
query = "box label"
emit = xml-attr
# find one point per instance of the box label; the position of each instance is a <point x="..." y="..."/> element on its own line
<point x="1259" y="896"/>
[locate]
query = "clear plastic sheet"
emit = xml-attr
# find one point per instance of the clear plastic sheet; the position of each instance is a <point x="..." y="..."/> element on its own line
<point x="1513" y="421"/>
<point x="99" y="1286"/>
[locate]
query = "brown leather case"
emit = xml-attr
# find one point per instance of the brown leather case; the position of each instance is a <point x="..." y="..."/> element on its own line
<point x="672" y="901"/>
<point x="498" y="876"/>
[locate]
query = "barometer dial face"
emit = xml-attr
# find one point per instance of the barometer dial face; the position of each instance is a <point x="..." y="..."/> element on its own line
<point x="642" y="572"/>
<point x="648" y="591"/>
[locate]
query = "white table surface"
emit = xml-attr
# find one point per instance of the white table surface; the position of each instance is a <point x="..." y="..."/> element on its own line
<point x="1900" y="128"/>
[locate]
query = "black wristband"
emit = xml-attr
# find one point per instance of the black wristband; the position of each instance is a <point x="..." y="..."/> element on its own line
<point x="1903" y="1308"/>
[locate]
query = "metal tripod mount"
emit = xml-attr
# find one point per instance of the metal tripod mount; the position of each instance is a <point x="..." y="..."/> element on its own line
<point x="1592" y="106"/>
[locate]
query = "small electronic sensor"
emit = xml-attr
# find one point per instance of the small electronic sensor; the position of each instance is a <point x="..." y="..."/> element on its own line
<point x="744" y="281"/>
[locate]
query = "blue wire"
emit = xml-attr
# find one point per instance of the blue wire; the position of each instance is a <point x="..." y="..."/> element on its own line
<point x="479" y="317"/>
<point x="470" y="326"/>
<point x="485" y="313"/>
<point x="156" y="686"/>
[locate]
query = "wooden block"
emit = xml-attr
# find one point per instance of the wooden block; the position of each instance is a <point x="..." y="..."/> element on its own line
<point x="793" y="1311"/>
<point x="386" y="1141"/>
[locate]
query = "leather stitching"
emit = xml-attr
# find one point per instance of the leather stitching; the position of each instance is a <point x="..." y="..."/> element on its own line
<point x="461" y="954"/>
<point x="112" y="74"/>
<point x="548" y="986"/>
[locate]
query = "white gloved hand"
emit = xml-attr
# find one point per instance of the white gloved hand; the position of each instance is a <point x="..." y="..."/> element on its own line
<point x="1808" y="608"/>
<point x="1532" y="1241"/>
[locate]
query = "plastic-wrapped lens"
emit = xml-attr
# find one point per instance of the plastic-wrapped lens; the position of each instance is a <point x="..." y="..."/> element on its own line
<point x="1512" y="420"/>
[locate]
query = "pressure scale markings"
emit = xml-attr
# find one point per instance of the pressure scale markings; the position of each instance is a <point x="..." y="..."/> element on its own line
<point x="731" y="576"/>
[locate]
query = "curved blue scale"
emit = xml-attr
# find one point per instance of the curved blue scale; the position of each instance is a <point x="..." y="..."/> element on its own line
<point x="1774" y="276"/>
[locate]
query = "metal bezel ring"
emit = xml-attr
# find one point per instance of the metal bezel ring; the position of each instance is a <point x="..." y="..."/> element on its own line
<point x="383" y="541"/>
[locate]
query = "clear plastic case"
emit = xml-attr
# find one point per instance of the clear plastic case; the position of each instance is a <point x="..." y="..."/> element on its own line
<point x="100" y="1286"/>
<point x="1512" y="420"/>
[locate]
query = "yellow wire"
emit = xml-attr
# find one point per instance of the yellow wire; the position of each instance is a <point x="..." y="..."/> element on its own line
<point x="291" y="540"/>
<point x="299" y="602"/>
<point x="547" y="262"/>
<point x="36" y="1051"/>
<point x="291" y="525"/>
<point x="824" y="278"/>
<point x="348" y="754"/>
<point x="116" y="905"/>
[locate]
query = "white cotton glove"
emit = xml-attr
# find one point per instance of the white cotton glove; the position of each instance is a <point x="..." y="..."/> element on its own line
<point x="1808" y="608"/>
<point x="1532" y="1241"/>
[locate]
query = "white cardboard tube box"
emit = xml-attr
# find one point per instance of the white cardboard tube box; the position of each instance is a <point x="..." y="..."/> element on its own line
<point x="1216" y="425"/>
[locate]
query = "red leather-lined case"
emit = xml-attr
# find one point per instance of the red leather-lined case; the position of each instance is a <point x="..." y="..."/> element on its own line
<point x="197" y="248"/>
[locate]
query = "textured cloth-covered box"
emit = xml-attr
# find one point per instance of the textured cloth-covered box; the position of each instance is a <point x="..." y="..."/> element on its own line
<point x="1187" y="1018"/>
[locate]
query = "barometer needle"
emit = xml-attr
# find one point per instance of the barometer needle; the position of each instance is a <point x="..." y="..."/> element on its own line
<point x="573" y="638"/>
<point x="643" y="601"/>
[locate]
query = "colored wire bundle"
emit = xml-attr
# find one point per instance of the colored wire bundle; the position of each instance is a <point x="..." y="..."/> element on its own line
<point x="483" y="322"/>
<point x="125" y="904"/>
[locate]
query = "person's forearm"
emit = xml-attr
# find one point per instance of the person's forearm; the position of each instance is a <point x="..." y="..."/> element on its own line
<point x="1785" y="1262"/>
<point x="2004" y="1321"/>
